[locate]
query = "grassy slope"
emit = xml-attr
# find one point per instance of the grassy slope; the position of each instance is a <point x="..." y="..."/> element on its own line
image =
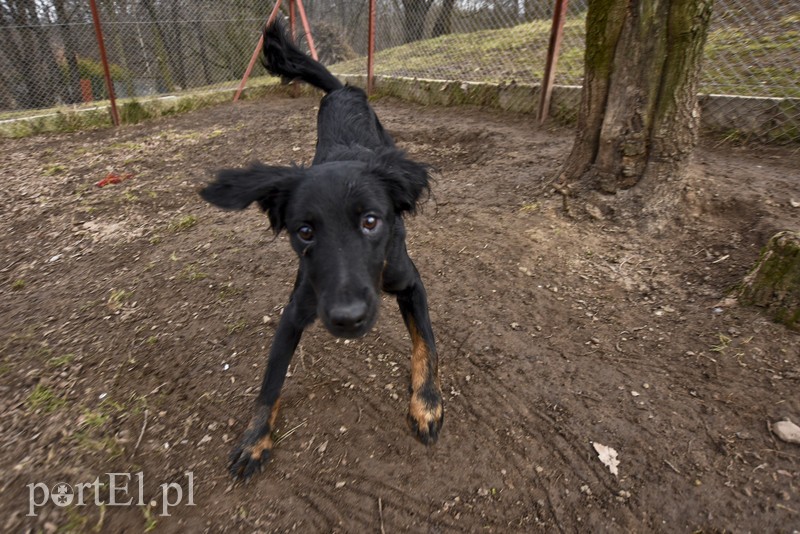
<point x="486" y="55"/>
<point x="737" y="61"/>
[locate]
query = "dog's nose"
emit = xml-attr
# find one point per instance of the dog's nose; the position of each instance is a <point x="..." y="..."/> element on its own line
<point x="351" y="315"/>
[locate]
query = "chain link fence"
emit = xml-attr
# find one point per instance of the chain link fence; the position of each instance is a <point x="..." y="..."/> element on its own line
<point x="49" y="54"/>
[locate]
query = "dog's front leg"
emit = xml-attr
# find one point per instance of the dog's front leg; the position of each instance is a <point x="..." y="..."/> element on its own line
<point x="256" y="443"/>
<point x="425" y="411"/>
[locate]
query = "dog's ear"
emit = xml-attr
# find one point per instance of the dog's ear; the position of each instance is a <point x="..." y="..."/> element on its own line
<point x="271" y="187"/>
<point x="405" y="180"/>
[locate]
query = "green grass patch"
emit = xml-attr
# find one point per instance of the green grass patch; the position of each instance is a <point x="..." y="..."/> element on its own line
<point x="104" y="444"/>
<point x="134" y="112"/>
<point x="54" y="169"/>
<point x="150" y="521"/>
<point x="91" y="435"/>
<point x="182" y="224"/>
<point x="118" y="298"/>
<point x="42" y="398"/>
<point x="229" y="291"/>
<point x="130" y="196"/>
<point x="59" y="361"/>
<point x="192" y="273"/>
<point x="93" y="115"/>
<point x="39" y="351"/>
<point x="237" y="327"/>
<point x="92" y="419"/>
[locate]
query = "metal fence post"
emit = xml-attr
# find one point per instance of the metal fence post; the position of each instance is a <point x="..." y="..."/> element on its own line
<point x="307" y="29"/>
<point x="371" y="49"/>
<point x="556" y="34"/>
<point x="104" y="60"/>
<point x="256" y="52"/>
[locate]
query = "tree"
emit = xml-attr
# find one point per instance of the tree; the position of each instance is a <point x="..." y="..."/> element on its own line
<point x="176" y="51"/>
<point x="160" y="42"/>
<point x="638" y="120"/>
<point x="200" y="37"/>
<point x="774" y="284"/>
<point x="416" y="11"/>
<point x="25" y="45"/>
<point x="71" y="89"/>
<point x="443" y="24"/>
<point x="537" y="9"/>
<point x="111" y="10"/>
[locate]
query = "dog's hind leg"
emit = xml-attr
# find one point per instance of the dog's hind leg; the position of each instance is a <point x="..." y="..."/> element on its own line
<point x="256" y="443"/>
<point x="425" y="411"/>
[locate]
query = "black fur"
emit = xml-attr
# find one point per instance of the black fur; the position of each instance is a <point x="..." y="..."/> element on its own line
<point x="344" y="215"/>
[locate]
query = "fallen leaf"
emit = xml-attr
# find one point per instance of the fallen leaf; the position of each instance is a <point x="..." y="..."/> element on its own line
<point x="608" y="456"/>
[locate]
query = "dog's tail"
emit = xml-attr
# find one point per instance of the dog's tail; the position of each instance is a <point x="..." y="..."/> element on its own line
<point x="283" y="58"/>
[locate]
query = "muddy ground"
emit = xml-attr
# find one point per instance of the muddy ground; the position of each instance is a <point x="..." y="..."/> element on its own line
<point x="135" y="321"/>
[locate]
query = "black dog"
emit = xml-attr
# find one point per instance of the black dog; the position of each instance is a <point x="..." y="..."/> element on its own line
<point x="344" y="215"/>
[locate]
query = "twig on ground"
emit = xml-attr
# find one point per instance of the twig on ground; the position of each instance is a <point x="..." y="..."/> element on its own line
<point x="672" y="467"/>
<point x="290" y="432"/>
<point x="380" y="514"/>
<point x="141" y="434"/>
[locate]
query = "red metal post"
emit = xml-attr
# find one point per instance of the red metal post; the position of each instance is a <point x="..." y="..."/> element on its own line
<point x="307" y="29"/>
<point x="292" y="20"/>
<point x="556" y="34"/>
<point x="256" y="52"/>
<point x="104" y="60"/>
<point x="295" y="91"/>
<point x="371" y="49"/>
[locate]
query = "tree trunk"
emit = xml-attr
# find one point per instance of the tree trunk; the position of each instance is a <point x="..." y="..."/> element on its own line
<point x="72" y="88"/>
<point x="177" y="51"/>
<point x="537" y="9"/>
<point x="30" y="55"/>
<point x="443" y="24"/>
<point x="113" y="35"/>
<point x="638" y="120"/>
<point x="159" y="43"/>
<point x="201" y="41"/>
<point x="774" y="283"/>
<point x="416" y="12"/>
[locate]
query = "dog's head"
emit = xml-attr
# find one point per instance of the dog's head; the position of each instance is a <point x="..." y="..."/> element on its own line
<point x="341" y="219"/>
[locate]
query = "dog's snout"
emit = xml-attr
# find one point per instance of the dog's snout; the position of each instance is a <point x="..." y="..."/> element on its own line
<point x="349" y="316"/>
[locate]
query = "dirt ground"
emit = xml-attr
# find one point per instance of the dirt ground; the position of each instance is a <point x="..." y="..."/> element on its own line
<point x="135" y="322"/>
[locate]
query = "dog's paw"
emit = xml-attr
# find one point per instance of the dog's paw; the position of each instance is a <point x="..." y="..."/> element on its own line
<point x="250" y="455"/>
<point x="426" y="414"/>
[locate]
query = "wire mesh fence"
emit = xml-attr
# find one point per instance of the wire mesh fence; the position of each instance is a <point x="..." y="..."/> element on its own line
<point x="49" y="54"/>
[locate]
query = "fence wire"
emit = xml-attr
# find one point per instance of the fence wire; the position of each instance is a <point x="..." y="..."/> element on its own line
<point x="49" y="55"/>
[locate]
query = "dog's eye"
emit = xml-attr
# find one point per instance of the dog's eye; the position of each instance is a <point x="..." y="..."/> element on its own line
<point x="306" y="233"/>
<point x="369" y="223"/>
